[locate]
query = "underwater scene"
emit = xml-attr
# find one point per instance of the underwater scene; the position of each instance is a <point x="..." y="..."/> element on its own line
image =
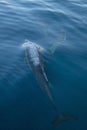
<point x="43" y="65"/>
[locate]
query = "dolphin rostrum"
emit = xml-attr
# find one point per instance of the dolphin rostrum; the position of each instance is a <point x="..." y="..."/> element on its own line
<point x="35" y="61"/>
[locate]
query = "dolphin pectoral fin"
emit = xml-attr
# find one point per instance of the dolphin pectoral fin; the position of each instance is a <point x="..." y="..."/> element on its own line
<point x="27" y="64"/>
<point x="61" y="38"/>
<point x="60" y="118"/>
<point x="40" y="48"/>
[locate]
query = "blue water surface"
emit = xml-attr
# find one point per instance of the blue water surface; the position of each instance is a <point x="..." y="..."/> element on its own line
<point x="23" y="105"/>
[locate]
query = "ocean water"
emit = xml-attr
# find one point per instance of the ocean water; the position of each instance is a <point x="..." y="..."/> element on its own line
<point x="23" y="105"/>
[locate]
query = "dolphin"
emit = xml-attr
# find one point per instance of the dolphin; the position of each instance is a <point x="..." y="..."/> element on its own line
<point x="35" y="61"/>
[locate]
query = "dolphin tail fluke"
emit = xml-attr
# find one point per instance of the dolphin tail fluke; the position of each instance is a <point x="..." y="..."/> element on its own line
<point x="62" y="118"/>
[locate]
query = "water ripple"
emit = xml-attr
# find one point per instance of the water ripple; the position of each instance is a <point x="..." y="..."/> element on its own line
<point x="43" y="22"/>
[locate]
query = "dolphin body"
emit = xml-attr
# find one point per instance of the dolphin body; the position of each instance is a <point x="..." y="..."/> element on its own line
<point x="35" y="62"/>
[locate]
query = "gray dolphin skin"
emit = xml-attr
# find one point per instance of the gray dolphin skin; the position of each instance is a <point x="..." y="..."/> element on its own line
<point x="35" y="61"/>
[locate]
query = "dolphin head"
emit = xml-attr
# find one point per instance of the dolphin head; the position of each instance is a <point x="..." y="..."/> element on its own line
<point x="26" y="43"/>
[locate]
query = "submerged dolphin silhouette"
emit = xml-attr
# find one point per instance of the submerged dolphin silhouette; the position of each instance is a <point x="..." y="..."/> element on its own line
<point x="35" y="61"/>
